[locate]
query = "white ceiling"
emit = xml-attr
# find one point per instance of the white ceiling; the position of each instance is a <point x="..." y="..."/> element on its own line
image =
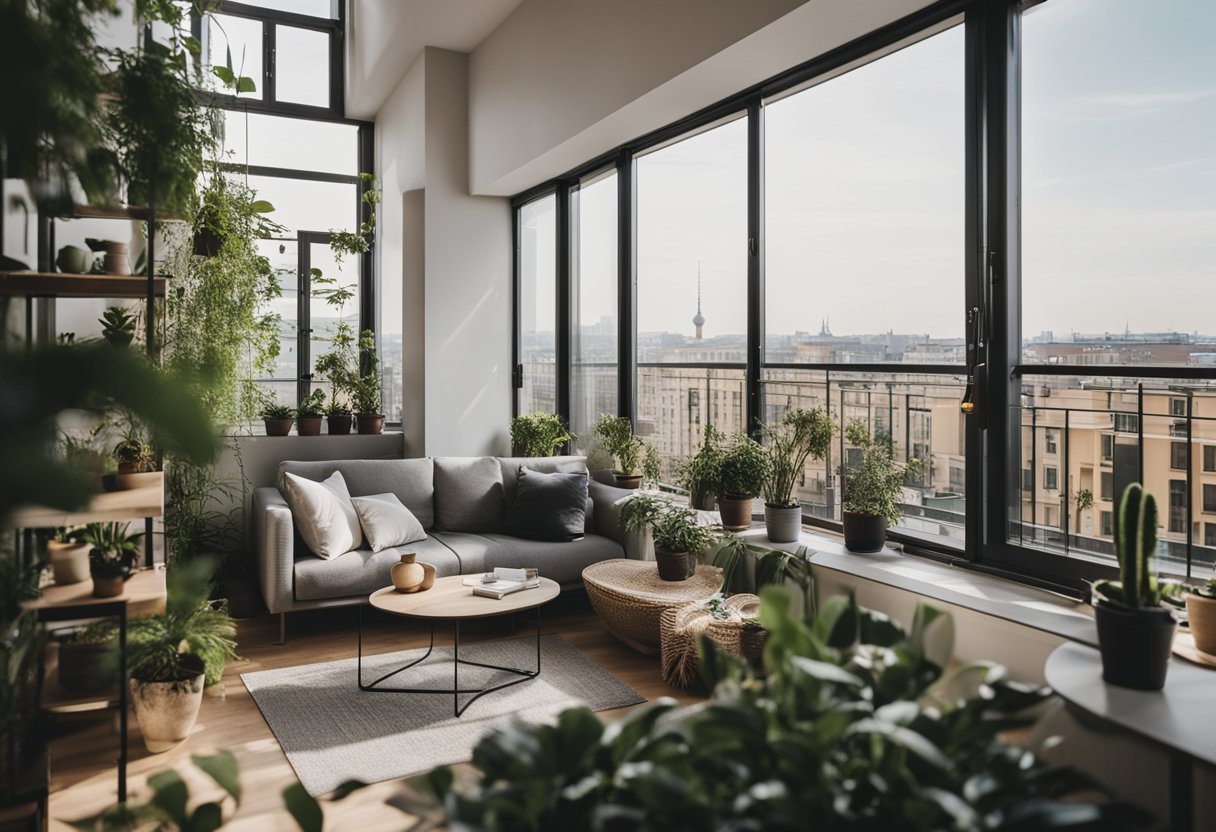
<point x="385" y="36"/>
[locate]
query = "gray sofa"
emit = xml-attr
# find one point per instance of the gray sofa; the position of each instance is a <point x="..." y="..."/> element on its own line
<point x="460" y="501"/>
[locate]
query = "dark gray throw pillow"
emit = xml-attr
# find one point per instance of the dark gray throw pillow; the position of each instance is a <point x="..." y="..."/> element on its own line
<point x="548" y="506"/>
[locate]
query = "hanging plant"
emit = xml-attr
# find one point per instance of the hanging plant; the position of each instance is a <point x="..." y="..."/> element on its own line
<point x="344" y="243"/>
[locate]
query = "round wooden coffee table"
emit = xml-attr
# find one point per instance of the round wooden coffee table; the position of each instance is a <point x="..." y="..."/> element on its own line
<point x="450" y="600"/>
<point x="630" y="597"/>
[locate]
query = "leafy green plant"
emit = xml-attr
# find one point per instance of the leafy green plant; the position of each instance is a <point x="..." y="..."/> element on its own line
<point x="700" y="474"/>
<point x="202" y="512"/>
<point x="616" y="435"/>
<point x="1136" y="548"/>
<point x="744" y="468"/>
<point x="875" y="485"/>
<point x="365" y="386"/>
<point x="771" y="566"/>
<point x="359" y="242"/>
<point x="538" y="434"/>
<point x="1084" y="499"/>
<point x="339" y="365"/>
<point x="799" y="435"/>
<point x="22" y="726"/>
<point x="274" y="410"/>
<point x="117" y="326"/>
<point x="851" y="723"/>
<point x="675" y="527"/>
<point x="135" y="452"/>
<point x="113" y="550"/>
<point x="313" y="405"/>
<point x="652" y="465"/>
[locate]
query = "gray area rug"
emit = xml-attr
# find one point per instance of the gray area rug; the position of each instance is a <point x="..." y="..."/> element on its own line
<point x="333" y="732"/>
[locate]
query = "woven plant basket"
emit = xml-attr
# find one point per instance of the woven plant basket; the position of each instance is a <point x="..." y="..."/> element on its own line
<point x="681" y="628"/>
<point x="629" y="597"/>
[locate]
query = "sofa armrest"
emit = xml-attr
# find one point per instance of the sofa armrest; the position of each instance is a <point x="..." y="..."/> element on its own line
<point x="274" y="536"/>
<point x="608" y="500"/>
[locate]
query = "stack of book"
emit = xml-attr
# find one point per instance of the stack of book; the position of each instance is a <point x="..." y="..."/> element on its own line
<point x="502" y="582"/>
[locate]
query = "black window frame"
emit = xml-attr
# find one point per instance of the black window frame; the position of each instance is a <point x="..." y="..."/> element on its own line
<point x="991" y="306"/>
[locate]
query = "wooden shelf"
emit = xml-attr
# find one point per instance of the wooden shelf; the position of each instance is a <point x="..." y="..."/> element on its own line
<point x="138" y="213"/>
<point x="133" y="504"/>
<point x="144" y="594"/>
<point x="57" y="700"/>
<point x="54" y="284"/>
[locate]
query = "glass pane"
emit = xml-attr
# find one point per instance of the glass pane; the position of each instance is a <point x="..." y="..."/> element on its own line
<point x="334" y="301"/>
<point x="593" y="371"/>
<point x="312" y="8"/>
<point x="692" y="249"/>
<point x="299" y="144"/>
<point x="538" y="304"/>
<point x="302" y="205"/>
<point x="283" y="257"/>
<point x="864" y="201"/>
<point x="301" y="66"/>
<point x="1095" y="434"/>
<point x="1118" y="182"/>
<point x="676" y="403"/>
<point x="235" y="40"/>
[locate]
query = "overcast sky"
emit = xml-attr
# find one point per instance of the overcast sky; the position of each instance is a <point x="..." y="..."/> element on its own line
<point x="864" y="190"/>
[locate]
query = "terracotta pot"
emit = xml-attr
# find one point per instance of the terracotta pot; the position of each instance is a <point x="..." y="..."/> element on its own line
<point x="131" y="467"/>
<point x="166" y="711"/>
<point x="338" y="425"/>
<point x="117" y="260"/>
<point x="1201" y="613"/>
<point x="674" y="566"/>
<point x="69" y="561"/>
<point x="736" y="513"/>
<point x="783" y="523"/>
<point x="278" y="427"/>
<point x="864" y="533"/>
<point x="108" y="581"/>
<point x="308" y="425"/>
<point x="1135" y="645"/>
<point x="88" y="669"/>
<point x="411" y="576"/>
<point x="627" y="480"/>
<point x="370" y="423"/>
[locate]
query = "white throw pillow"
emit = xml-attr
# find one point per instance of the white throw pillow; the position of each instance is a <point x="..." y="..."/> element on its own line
<point x="386" y="522"/>
<point x="324" y="514"/>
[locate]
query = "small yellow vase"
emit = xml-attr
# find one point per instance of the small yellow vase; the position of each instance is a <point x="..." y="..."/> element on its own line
<point x="411" y="576"/>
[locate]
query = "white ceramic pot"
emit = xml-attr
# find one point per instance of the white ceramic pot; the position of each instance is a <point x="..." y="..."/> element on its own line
<point x="166" y="710"/>
<point x="69" y="561"/>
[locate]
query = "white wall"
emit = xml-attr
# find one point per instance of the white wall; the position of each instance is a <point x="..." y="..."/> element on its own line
<point x="451" y="253"/>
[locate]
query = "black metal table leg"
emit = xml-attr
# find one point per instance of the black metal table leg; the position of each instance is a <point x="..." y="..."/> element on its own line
<point x="123" y="686"/>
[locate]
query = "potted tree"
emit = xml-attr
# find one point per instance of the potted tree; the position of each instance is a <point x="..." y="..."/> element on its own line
<point x="338" y="366"/>
<point x="175" y="654"/>
<point x="741" y="476"/>
<point x="872" y="490"/>
<point x="365" y="388"/>
<point x="1135" y="631"/>
<point x="679" y="539"/>
<point x="309" y="413"/>
<point x="68" y="554"/>
<point x="699" y="475"/>
<point x="277" y="418"/>
<point x="616" y="434"/>
<point x="538" y="434"/>
<point x="112" y="556"/>
<point x="800" y="435"/>
<point x="1201" y="615"/>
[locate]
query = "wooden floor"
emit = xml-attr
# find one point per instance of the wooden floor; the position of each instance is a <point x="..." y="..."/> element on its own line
<point x="83" y="779"/>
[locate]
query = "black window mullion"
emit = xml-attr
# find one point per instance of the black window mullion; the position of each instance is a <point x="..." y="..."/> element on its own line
<point x="562" y="295"/>
<point x="755" y="267"/>
<point x="269" y="40"/>
<point x="517" y="367"/>
<point x="627" y="370"/>
<point x="369" y="297"/>
<point x="974" y="300"/>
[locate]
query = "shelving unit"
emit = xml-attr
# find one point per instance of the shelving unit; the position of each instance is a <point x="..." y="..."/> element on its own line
<point x="141" y="503"/>
<point x="57" y="285"/>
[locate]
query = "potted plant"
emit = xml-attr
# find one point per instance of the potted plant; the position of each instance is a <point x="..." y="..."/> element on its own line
<point x="112" y="556"/>
<point x="1135" y="631"/>
<point x="741" y="476"/>
<point x="88" y="659"/>
<point x="69" y="556"/>
<point x="616" y="434"/>
<point x="134" y="456"/>
<point x="652" y="466"/>
<point x="872" y="491"/>
<point x="699" y="474"/>
<point x="337" y="366"/>
<point x="679" y="539"/>
<point x="338" y="419"/>
<point x="117" y="326"/>
<point x="309" y="413"/>
<point x="538" y="434"/>
<point x="175" y="654"/>
<point x="365" y="388"/>
<point x="800" y="435"/>
<point x="277" y="418"/>
<point x="1201" y="616"/>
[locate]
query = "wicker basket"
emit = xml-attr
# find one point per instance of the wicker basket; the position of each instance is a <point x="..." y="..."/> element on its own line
<point x="629" y="597"/>
<point x="681" y="628"/>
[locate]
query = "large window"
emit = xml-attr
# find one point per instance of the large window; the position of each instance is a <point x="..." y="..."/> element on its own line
<point x="594" y="296"/>
<point x="537" y="268"/>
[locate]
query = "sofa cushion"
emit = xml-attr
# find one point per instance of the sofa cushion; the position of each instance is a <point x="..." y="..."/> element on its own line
<point x="548" y="506"/>
<point x="386" y="522"/>
<point x="363" y="571"/>
<point x="562" y="562"/>
<point x="468" y="494"/>
<point x="323" y="514"/>
<point x="546" y="464"/>
<point x="411" y="480"/>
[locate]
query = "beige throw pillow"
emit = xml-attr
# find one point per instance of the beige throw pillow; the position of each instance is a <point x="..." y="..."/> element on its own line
<point x="386" y="522"/>
<point x="324" y="514"/>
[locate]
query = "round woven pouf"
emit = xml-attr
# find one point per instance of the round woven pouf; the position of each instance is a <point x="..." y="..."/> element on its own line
<point x="680" y="629"/>
<point x="629" y="597"/>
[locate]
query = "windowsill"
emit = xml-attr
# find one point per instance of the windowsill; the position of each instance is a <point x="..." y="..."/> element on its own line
<point x="969" y="589"/>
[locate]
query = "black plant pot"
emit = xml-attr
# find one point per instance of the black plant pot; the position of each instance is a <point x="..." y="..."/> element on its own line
<point x="339" y="425"/>
<point x="674" y="566"/>
<point x="864" y="532"/>
<point x="1135" y="645"/>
